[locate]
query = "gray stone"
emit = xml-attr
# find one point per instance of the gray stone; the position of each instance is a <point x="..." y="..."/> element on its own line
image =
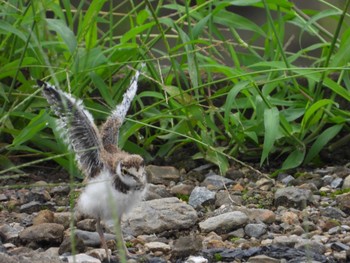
<point x="31" y="207"/>
<point x="201" y="196"/>
<point x="10" y="232"/>
<point x="157" y="246"/>
<point x="224" y="223"/>
<point x="327" y="180"/>
<point x="287" y="241"/>
<point x="185" y="246"/>
<point x="263" y="259"/>
<point x="81" y="258"/>
<point x="293" y="197"/>
<point x="343" y="202"/>
<point x="332" y="212"/>
<point x="196" y="259"/>
<point x="3" y="197"/>
<point x="30" y="257"/>
<point x="87" y="224"/>
<point x="159" y="215"/>
<point x="223" y="197"/>
<point x="336" y="183"/>
<point x="217" y="181"/>
<point x="346" y="183"/>
<point x="182" y="189"/>
<point x="288" y="180"/>
<point x="311" y="245"/>
<point x="36" y="206"/>
<point x="92" y="239"/>
<point x="66" y="245"/>
<point x="156" y="192"/>
<point x="162" y="174"/>
<point x="255" y="230"/>
<point x="47" y="232"/>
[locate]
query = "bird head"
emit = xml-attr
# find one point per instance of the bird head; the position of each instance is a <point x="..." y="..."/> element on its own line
<point x="131" y="171"/>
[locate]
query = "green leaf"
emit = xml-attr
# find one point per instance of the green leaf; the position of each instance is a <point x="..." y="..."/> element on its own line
<point x="89" y="25"/>
<point x="103" y="88"/>
<point x="133" y="32"/>
<point x="309" y="115"/>
<point x="271" y="124"/>
<point x="37" y="124"/>
<point x="294" y="159"/>
<point x="65" y="32"/>
<point x="321" y="141"/>
<point x="178" y="94"/>
<point x="142" y="16"/>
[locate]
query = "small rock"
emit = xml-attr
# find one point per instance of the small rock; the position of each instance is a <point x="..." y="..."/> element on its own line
<point x="213" y="240"/>
<point x="157" y="246"/>
<point x="334" y="230"/>
<point x="44" y="216"/>
<point x="156" y="191"/>
<point x="162" y="174"/>
<point x="264" y="184"/>
<point x="99" y="253"/>
<point x="196" y="259"/>
<point x="47" y="232"/>
<point x="336" y="183"/>
<point x="216" y="181"/>
<point x="327" y="180"/>
<point x="311" y="245"/>
<point x="290" y="218"/>
<point x="159" y="215"/>
<point x="31" y="207"/>
<point x="346" y="183"/>
<point x="288" y="180"/>
<point x="260" y="215"/>
<point x="10" y="232"/>
<point x="187" y="245"/>
<point x="338" y="246"/>
<point x="66" y="245"/>
<point x="332" y="212"/>
<point x="201" y="196"/>
<point x="92" y="239"/>
<point x="182" y="189"/>
<point x="81" y="258"/>
<point x="223" y="197"/>
<point x="263" y="259"/>
<point x="343" y="202"/>
<point x="224" y="223"/>
<point x="3" y="198"/>
<point x="293" y="197"/>
<point x="63" y="218"/>
<point x="87" y="224"/>
<point x="255" y="230"/>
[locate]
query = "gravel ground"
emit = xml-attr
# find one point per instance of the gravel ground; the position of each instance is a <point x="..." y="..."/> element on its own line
<point x="191" y="215"/>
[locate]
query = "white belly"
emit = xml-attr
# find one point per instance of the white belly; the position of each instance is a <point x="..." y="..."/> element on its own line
<point x="100" y="199"/>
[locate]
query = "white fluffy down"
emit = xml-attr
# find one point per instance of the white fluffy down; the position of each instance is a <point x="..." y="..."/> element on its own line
<point x="100" y="199"/>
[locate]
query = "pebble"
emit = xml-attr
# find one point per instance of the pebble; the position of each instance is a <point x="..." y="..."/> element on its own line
<point x="293" y="197"/>
<point x="255" y="230"/>
<point x="216" y="182"/>
<point x="46" y="232"/>
<point x="224" y="223"/>
<point x="163" y="174"/>
<point x="201" y="196"/>
<point x="159" y="215"/>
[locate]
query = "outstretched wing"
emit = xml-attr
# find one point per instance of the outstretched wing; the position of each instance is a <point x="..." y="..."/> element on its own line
<point x="110" y="129"/>
<point x="77" y="127"/>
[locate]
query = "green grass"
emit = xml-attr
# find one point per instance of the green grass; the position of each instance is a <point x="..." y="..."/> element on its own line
<point x="223" y="82"/>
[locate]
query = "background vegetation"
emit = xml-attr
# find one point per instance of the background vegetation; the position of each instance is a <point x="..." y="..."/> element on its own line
<point x="219" y="82"/>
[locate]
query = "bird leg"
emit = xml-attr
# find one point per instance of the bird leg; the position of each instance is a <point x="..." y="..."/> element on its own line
<point x="102" y="238"/>
<point x="121" y="242"/>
